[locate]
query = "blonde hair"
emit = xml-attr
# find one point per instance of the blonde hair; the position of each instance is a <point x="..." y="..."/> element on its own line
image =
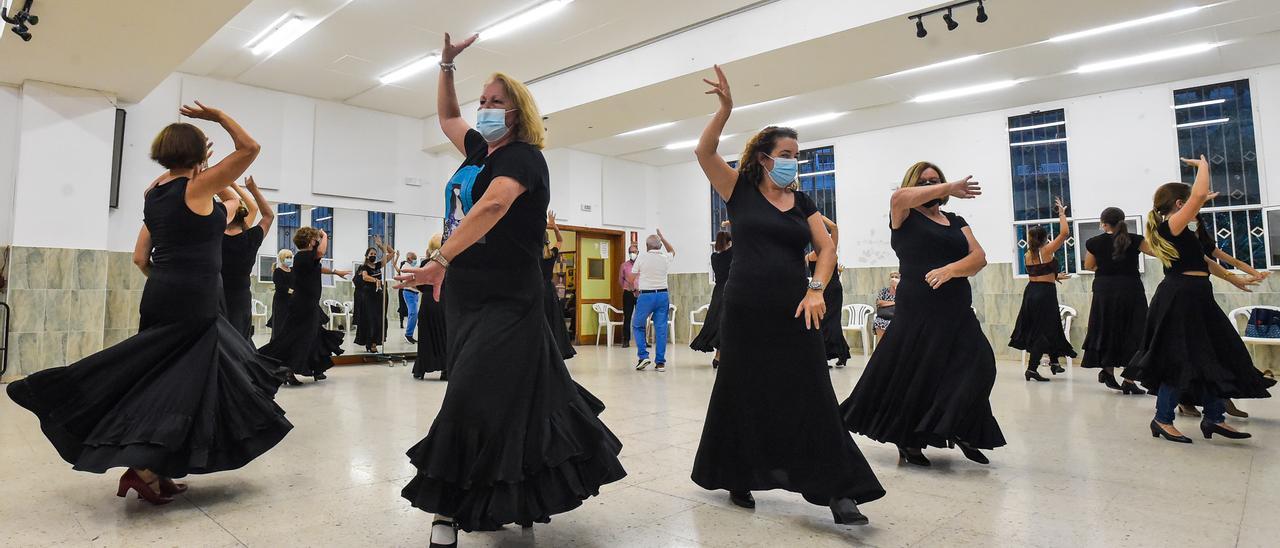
<point x="528" y="127"/>
<point x="436" y="242"/>
<point x="912" y="178"/>
<point x="283" y="255"/>
<point x="1161" y="205"/>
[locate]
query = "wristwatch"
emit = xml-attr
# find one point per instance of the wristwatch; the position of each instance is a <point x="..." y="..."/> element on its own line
<point x="438" y="258"/>
<point x="815" y="285"/>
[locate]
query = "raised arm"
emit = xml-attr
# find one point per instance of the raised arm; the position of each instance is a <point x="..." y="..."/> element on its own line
<point x="717" y="170"/>
<point x="906" y="198"/>
<point x="665" y="244"/>
<point x="454" y="126"/>
<point x="551" y="224"/>
<point x="1201" y="193"/>
<point x="263" y="206"/>
<point x="1064" y="229"/>
<point x="217" y="177"/>
<point x="322" y="248"/>
<point x="248" y="202"/>
<point x="142" y="251"/>
<point x="813" y="307"/>
<point x="230" y="200"/>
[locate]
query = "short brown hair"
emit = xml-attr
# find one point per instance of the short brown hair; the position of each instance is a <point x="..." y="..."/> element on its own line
<point x="304" y="236"/>
<point x="179" y="146"/>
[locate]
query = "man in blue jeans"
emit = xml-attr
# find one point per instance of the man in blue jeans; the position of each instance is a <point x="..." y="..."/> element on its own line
<point x="649" y="274"/>
<point x="411" y="297"/>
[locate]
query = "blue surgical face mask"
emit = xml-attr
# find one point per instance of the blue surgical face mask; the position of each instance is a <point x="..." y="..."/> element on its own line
<point x="784" y="171"/>
<point x="492" y="124"/>
<point x="288" y="262"/>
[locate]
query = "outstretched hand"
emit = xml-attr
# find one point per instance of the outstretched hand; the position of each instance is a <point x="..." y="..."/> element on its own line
<point x="201" y="112"/>
<point x="452" y="50"/>
<point x="432" y="274"/>
<point x="966" y="188"/>
<point x="720" y="88"/>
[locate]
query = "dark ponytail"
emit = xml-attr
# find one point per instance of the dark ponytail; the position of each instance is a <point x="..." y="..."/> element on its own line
<point x="763" y="142"/>
<point x="1036" y="237"/>
<point x="1120" y="242"/>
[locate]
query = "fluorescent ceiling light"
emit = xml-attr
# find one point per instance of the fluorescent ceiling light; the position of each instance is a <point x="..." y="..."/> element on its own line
<point x="654" y="127"/>
<point x="1152" y="57"/>
<point x="1203" y="123"/>
<point x="692" y="142"/>
<point x="1125" y="24"/>
<point x="280" y="34"/>
<point x="1201" y="104"/>
<point x="1044" y="142"/>
<point x="760" y="104"/>
<point x="965" y="91"/>
<point x="324" y="218"/>
<point x="410" y="69"/>
<point x="810" y="120"/>
<point x="1037" y="126"/>
<point x="282" y="214"/>
<point x="935" y="65"/>
<point x="524" y="19"/>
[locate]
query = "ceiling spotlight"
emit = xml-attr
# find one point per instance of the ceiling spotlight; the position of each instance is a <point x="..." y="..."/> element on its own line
<point x="19" y="19"/>
<point x="22" y="31"/>
<point x="982" y="13"/>
<point x="951" y="21"/>
<point x="920" y="32"/>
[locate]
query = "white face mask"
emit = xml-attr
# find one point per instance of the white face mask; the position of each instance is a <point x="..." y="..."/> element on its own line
<point x="1194" y="225"/>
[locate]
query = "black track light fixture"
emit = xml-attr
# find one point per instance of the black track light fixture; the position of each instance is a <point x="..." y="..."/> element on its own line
<point x="20" y="20"/>
<point x="982" y="12"/>
<point x="948" y="15"/>
<point x="951" y="21"/>
<point x="920" y="32"/>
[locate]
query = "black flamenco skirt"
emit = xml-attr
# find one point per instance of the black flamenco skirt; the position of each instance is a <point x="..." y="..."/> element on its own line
<point x="372" y="325"/>
<point x="432" y="336"/>
<point x="832" y="331"/>
<point x="773" y="421"/>
<point x="1191" y="344"/>
<point x="279" y="314"/>
<point x="555" y="319"/>
<point x="1116" y="321"/>
<point x="708" y="339"/>
<point x="239" y="303"/>
<point x="516" y="439"/>
<point x="1039" y="326"/>
<point x="188" y="397"/>
<point x="303" y="344"/>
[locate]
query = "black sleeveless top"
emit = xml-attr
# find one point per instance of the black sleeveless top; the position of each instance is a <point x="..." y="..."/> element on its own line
<point x="1043" y="269"/>
<point x="182" y="241"/>
<point x="1190" y="250"/>
<point x="1103" y="248"/>
<point x="549" y="263"/>
<point x="238" y="255"/>
<point x="720" y="265"/>
<point x="769" y="244"/>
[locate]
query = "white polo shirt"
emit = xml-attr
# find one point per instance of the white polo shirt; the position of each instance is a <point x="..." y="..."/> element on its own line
<point x="651" y="269"/>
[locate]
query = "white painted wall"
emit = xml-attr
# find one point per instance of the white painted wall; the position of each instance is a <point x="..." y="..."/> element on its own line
<point x="63" y="167"/>
<point x="9" y="122"/>
<point x="1122" y="145"/>
<point x="584" y="179"/>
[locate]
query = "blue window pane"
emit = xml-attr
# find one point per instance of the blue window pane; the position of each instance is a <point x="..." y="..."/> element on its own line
<point x="322" y="218"/>
<point x="1039" y="168"/>
<point x="288" y="219"/>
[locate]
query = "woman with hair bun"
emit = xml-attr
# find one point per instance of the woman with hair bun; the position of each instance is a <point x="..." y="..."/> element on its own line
<point x="773" y="421"/>
<point x="1038" y="329"/>
<point x="1118" y="314"/>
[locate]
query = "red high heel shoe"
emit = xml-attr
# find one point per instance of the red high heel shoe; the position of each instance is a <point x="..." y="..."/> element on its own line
<point x="131" y="480"/>
<point x="170" y="488"/>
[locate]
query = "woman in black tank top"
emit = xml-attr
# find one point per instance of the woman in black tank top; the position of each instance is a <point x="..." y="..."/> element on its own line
<point x="1118" y="313"/>
<point x="1038" y="330"/>
<point x="240" y="244"/>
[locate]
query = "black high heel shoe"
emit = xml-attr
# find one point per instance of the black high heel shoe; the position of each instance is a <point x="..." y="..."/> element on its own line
<point x="1209" y="429"/>
<point x="1157" y="432"/>
<point x="1130" y="388"/>
<point x="1109" y="380"/>
<point x="1032" y="374"/>
<point x="971" y="453"/>
<point x="743" y="499"/>
<point x="453" y="524"/>
<point x="913" y="456"/>
<point x="1056" y="368"/>
<point x="845" y="512"/>
<point x="293" y="380"/>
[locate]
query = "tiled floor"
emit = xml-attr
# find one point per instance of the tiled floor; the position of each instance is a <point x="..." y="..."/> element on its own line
<point x="1080" y="470"/>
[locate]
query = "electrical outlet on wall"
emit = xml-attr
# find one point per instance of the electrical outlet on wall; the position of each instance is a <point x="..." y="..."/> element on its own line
<point x="586" y="207"/>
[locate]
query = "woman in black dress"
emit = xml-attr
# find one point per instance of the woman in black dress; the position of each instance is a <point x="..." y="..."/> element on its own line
<point x="1118" y="315"/>
<point x="1038" y="329"/>
<point x="550" y="297"/>
<point x="929" y="381"/>
<point x="372" y="297"/>
<point x="282" y="280"/>
<point x="832" y="332"/>
<point x="432" y="336"/>
<point x="774" y="378"/>
<point x="240" y="245"/>
<point x="187" y="394"/>
<point x="515" y="441"/>
<point x="303" y="344"/>
<point x="708" y="339"/>
<point x="1190" y="349"/>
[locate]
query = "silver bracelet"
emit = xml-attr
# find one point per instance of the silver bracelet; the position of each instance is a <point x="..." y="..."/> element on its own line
<point x="447" y="67"/>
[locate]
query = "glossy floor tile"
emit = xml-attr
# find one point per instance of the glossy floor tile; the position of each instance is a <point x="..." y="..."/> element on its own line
<point x="1081" y="469"/>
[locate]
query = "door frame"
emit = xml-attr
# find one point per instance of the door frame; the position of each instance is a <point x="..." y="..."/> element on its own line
<point x="616" y="240"/>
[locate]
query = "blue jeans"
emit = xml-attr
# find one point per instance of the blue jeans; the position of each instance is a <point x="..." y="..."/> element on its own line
<point x="411" y="299"/>
<point x="654" y="304"/>
<point x="1167" y="399"/>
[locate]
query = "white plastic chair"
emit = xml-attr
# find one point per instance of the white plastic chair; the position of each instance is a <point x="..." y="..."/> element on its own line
<point x="693" y="319"/>
<point x="859" y="320"/>
<point x="603" y="321"/>
<point x="259" y="310"/>
<point x="1065" y="315"/>
<point x="348" y="310"/>
<point x="671" y="324"/>
<point x="328" y="305"/>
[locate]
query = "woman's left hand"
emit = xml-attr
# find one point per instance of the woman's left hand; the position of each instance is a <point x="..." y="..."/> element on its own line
<point x="813" y="307"/>
<point x="432" y="275"/>
<point x="938" y="276"/>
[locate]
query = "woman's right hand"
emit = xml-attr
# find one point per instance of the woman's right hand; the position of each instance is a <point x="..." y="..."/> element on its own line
<point x="965" y="188"/>
<point x="202" y="112"/>
<point x="1199" y="164"/>
<point x="452" y="50"/>
<point x="1243" y="283"/>
<point x="720" y="88"/>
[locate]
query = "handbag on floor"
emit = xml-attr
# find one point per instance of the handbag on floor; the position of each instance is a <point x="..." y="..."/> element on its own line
<point x="1263" y="324"/>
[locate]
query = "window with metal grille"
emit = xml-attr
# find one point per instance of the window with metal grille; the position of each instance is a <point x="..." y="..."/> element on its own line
<point x="288" y="219"/>
<point x="1217" y="121"/>
<point x="322" y="218"/>
<point x="1039" y="169"/>
<point x="384" y="225"/>
<point x="817" y="179"/>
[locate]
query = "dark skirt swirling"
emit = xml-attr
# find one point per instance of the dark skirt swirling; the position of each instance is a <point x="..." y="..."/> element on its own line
<point x="1189" y="343"/>
<point x="279" y="313"/>
<point x="555" y="320"/>
<point x="837" y="347"/>
<point x="304" y="345"/>
<point x="240" y="310"/>
<point x="371" y="329"/>
<point x="516" y="439"/>
<point x="773" y="421"/>
<point x="708" y="338"/>
<point x="1038" y="329"/>
<point x="432" y="337"/>
<point x="1117" y="319"/>
<point x="929" y="381"/>
<point x="186" y="395"/>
